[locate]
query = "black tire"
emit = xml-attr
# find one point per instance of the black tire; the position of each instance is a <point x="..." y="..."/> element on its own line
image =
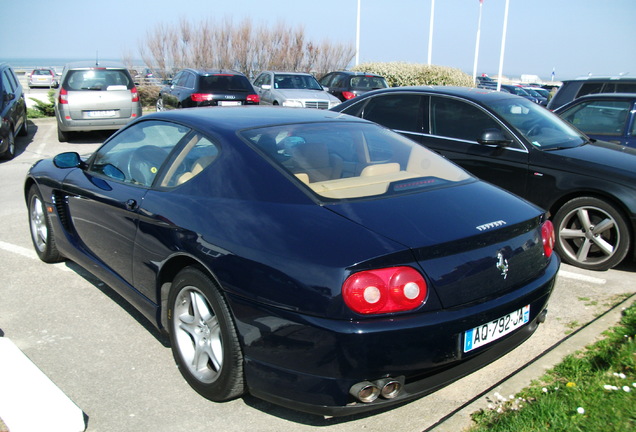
<point x="9" y="153"/>
<point x="203" y="337"/>
<point x="40" y="228"/>
<point x="24" y="130"/>
<point x="61" y="135"/>
<point x="591" y="234"/>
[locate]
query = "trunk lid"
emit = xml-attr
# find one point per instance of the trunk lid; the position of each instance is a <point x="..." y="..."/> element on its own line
<point x="473" y="241"/>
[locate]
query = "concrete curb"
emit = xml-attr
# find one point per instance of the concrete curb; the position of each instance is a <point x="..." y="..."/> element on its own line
<point x="460" y="419"/>
<point x="29" y="400"/>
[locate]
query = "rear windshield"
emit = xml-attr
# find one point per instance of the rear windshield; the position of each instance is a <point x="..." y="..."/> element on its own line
<point x="368" y="83"/>
<point x="42" y="72"/>
<point x="223" y="82"/>
<point x="98" y="79"/>
<point x="353" y="160"/>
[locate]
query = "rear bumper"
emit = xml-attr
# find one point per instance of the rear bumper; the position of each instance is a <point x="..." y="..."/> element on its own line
<point x="70" y="125"/>
<point x="309" y="364"/>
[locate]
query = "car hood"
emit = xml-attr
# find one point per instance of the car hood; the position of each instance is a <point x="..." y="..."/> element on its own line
<point x="473" y="241"/>
<point x="601" y="159"/>
<point x="305" y="94"/>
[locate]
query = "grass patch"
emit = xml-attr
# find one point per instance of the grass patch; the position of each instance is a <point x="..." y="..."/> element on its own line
<point x="591" y="391"/>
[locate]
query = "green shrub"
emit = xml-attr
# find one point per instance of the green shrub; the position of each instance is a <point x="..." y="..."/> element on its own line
<point x="43" y="109"/>
<point x="399" y="74"/>
<point x="148" y="95"/>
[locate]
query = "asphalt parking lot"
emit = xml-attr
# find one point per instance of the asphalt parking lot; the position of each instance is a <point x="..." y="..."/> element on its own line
<point x="111" y="362"/>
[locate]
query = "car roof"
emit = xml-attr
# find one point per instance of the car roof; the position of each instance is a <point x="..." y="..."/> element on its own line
<point x="236" y="118"/>
<point x="475" y="94"/>
<point x="358" y="73"/>
<point x="602" y="79"/>
<point x="607" y="96"/>
<point x="210" y="71"/>
<point x="89" y="64"/>
<point x="288" y="73"/>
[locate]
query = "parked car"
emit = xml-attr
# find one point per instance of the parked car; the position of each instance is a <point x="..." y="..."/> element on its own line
<point x="293" y="89"/>
<point x="604" y="116"/>
<point x="519" y="91"/>
<point x="588" y="187"/>
<point x="346" y="85"/>
<point x="486" y="82"/>
<point x="572" y="89"/>
<point x="192" y="88"/>
<point x="297" y="254"/>
<point x="13" y="113"/>
<point x="95" y="97"/>
<point x="538" y="96"/>
<point x="43" y="77"/>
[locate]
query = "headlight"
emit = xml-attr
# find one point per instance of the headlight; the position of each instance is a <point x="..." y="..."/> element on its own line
<point x="293" y="103"/>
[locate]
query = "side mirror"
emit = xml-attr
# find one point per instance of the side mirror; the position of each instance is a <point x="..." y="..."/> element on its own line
<point x="68" y="160"/>
<point x="8" y="97"/>
<point x="266" y="86"/>
<point x="494" y="137"/>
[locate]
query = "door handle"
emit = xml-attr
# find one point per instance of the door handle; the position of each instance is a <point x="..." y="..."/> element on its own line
<point x="131" y="205"/>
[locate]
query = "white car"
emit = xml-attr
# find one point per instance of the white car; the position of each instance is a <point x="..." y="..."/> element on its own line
<point x="292" y="89"/>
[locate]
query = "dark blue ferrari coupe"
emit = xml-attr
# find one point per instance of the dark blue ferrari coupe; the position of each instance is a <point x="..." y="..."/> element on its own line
<point x="315" y="260"/>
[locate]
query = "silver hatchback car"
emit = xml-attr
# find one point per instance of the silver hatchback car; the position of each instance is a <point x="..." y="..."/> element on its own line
<point x="95" y="97"/>
<point x="292" y="89"/>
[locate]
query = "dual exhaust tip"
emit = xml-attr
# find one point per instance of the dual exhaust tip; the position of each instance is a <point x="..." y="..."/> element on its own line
<point x="369" y="391"/>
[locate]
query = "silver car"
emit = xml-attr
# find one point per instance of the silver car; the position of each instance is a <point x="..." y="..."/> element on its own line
<point x="43" y="77"/>
<point x="95" y="97"/>
<point x="292" y="89"/>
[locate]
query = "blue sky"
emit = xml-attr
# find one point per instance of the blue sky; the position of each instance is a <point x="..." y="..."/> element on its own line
<point x="575" y="37"/>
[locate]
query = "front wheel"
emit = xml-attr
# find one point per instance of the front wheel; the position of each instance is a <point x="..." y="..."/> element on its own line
<point x="159" y="105"/>
<point x="203" y="337"/>
<point x="41" y="232"/>
<point x="592" y="234"/>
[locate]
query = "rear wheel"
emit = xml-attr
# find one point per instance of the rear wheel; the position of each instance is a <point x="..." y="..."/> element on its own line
<point x="159" y="105"/>
<point x="24" y="130"/>
<point x="41" y="232"/>
<point x="10" y="151"/>
<point x="591" y="234"/>
<point x="203" y="337"/>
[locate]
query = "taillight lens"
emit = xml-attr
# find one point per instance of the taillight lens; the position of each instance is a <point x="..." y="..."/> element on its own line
<point x="548" y="237"/>
<point x="63" y="97"/>
<point x="393" y="289"/>
<point x="348" y="95"/>
<point x="201" y="97"/>
<point x="253" y="98"/>
<point x="135" y="94"/>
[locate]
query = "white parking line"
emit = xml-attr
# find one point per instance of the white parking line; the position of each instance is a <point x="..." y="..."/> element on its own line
<point x="28" y="253"/>
<point x="584" y="278"/>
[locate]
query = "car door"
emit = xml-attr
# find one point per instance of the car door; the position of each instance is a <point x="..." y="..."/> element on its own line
<point x="103" y="200"/>
<point x="263" y="86"/>
<point x="456" y="126"/>
<point x="604" y="119"/>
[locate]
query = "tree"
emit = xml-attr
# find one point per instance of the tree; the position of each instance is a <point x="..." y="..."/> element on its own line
<point x="246" y="47"/>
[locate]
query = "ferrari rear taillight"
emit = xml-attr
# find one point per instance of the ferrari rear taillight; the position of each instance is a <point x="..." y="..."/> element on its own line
<point x="253" y="98"/>
<point x="63" y="96"/>
<point x="393" y="289"/>
<point x="348" y="95"/>
<point x="135" y="94"/>
<point x="548" y="237"/>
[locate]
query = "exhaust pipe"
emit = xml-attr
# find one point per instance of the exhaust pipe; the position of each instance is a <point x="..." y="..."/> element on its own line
<point x="365" y="391"/>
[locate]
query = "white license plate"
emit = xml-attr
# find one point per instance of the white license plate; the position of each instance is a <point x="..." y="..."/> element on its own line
<point x="229" y="103"/>
<point x="100" y="114"/>
<point x="493" y="330"/>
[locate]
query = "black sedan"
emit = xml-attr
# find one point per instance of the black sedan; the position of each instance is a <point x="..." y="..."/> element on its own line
<point x="588" y="186"/>
<point x="298" y="254"/>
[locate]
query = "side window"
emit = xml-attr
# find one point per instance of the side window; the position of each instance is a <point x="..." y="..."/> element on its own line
<point x="12" y="78"/>
<point x="590" y="88"/>
<point x="189" y="80"/>
<point x="600" y="117"/>
<point x="196" y="155"/>
<point x="456" y="119"/>
<point x="137" y="154"/>
<point x="7" y="85"/>
<point x="401" y="111"/>
<point x="326" y="80"/>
